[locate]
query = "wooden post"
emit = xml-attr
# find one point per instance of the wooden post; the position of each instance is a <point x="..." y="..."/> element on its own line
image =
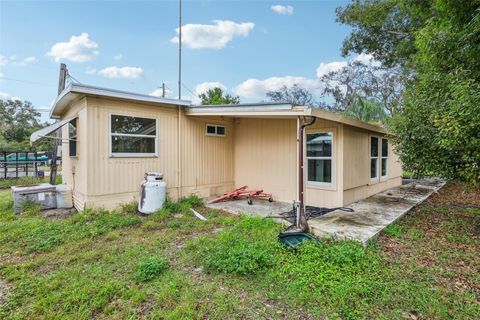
<point x="53" y="166"/>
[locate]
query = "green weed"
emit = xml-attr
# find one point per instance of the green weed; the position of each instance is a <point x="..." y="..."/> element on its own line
<point x="248" y="247"/>
<point x="395" y="230"/>
<point x="149" y="268"/>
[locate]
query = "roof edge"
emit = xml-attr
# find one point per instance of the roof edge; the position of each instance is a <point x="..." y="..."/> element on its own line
<point x="74" y="88"/>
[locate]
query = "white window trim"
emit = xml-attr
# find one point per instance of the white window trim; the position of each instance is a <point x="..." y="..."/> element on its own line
<point x="384" y="177"/>
<point x="377" y="178"/>
<point x="70" y="138"/>
<point x="216" y="127"/>
<point x="329" y="185"/>
<point x="131" y="155"/>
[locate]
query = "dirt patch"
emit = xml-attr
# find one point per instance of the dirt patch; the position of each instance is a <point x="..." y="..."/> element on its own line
<point x="4" y="288"/>
<point x="58" y="214"/>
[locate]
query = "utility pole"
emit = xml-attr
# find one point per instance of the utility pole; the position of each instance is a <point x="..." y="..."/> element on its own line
<point x="62" y="78"/>
<point x="163" y="90"/>
<point x="179" y="49"/>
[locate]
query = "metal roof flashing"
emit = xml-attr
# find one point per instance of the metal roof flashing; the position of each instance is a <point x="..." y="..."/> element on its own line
<point x="73" y="90"/>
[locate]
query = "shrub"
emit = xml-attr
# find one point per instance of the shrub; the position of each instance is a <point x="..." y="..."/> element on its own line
<point x="150" y="268"/>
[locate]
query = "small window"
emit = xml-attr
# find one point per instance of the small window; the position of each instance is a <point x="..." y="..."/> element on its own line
<point x="72" y="138"/>
<point x="133" y="136"/>
<point x="384" y="157"/>
<point x="373" y="157"/>
<point x="319" y="157"/>
<point x="215" y="130"/>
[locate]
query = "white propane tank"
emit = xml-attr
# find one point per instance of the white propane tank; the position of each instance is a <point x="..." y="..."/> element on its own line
<point x="152" y="193"/>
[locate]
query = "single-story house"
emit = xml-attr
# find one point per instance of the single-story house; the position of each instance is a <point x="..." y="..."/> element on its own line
<point x="111" y="138"/>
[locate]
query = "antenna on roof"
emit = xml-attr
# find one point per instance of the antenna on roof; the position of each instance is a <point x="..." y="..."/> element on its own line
<point x="179" y="49"/>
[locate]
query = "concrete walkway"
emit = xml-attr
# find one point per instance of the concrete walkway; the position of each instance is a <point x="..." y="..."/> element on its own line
<point x="375" y="213"/>
<point x="369" y="218"/>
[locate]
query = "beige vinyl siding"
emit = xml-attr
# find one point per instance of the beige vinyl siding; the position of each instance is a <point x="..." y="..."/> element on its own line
<point x="105" y="181"/>
<point x="327" y="196"/>
<point x="265" y="156"/>
<point x="74" y="170"/>
<point x="207" y="161"/>
<point x="258" y="152"/>
<point x="115" y="180"/>
<point x="357" y="183"/>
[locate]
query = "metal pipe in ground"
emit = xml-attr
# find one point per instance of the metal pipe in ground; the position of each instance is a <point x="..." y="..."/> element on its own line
<point x="301" y="224"/>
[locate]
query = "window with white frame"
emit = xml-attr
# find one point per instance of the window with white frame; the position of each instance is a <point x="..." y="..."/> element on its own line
<point x="215" y="130"/>
<point x="384" y="157"/>
<point x="72" y="138"/>
<point x="133" y="136"/>
<point x="319" y="157"/>
<point x="373" y="157"/>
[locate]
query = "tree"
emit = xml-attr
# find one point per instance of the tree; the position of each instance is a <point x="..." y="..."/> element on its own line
<point x="384" y="28"/>
<point x="368" y="110"/>
<point x="438" y="127"/>
<point x="18" y="119"/>
<point x="368" y="81"/>
<point x="294" y="95"/>
<point x="216" y="96"/>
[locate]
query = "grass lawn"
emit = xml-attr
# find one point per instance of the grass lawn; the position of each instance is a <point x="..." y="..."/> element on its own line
<point x="171" y="265"/>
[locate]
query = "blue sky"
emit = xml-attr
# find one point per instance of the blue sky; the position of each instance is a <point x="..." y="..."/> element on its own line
<point x="247" y="47"/>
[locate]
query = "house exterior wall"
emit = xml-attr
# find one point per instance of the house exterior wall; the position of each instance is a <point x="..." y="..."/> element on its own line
<point x="258" y="152"/>
<point x="74" y="171"/>
<point x="207" y="161"/>
<point x="265" y="156"/>
<point x="327" y="195"/>
<point x="100" y="180"/>
<point x="357" y="182"/>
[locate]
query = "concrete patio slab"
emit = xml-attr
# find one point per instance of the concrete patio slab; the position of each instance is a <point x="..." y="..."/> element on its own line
<point x="261" y="208"/>
<point x="369" y="218"/>
<point x="375" y="213"/>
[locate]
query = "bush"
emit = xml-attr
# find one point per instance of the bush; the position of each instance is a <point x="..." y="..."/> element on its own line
<point x="150" y="268"/>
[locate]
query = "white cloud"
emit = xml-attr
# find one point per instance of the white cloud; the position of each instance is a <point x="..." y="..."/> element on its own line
<point x="118" y="57"/>
<point x="284" y="10"/>
<point x="325" y="68"/>
<point x="254" y="88"/>
<point x="13" y="60"/>
<point x="4" y="95"/>
<point x="3" y="60"/>
<point x="77" y="49"/>
<point x="212" y="36"/>
<point x="121" y="72"/>
<point x="257" y="89"/>
<point x="159" y="92"/>
<point x="28" y="61"/>
<point x="204" y="86"/>
<point x="90" y="70"/>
